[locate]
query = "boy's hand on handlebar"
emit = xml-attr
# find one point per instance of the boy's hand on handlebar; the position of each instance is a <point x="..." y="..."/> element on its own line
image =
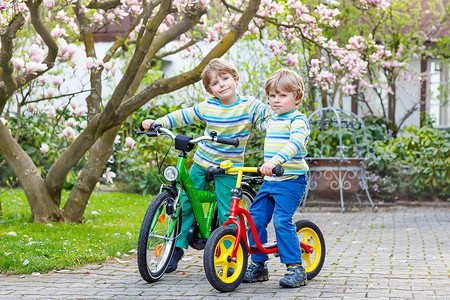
<point x="266" y="169"/>
<point x="147" y="123"/>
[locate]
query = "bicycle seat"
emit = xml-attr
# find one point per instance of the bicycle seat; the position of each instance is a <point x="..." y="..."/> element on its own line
<point x="266" y="246"/>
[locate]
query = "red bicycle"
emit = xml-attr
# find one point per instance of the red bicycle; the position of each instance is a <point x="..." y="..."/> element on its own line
<point x="226" y="252"/>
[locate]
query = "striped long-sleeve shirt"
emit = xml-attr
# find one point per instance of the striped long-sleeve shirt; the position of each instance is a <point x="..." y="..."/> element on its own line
<point x="285" y="143"/>
<point x="232" y="121"/>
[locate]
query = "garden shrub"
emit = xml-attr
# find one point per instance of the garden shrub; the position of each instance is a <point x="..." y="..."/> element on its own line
<point x="415" y="165"/>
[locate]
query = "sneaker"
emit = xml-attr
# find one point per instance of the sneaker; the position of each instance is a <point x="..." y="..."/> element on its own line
<point x="177" y="255"/>
<point x="294" y="277"/>
<point x="256" y="272"/>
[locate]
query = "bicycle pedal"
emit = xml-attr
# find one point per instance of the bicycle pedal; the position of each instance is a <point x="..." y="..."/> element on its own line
<point x="266" y="246"/>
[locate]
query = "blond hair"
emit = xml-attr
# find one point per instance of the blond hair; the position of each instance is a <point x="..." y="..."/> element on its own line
<point x="217" y="66"/>
<point x="287" y="81"/>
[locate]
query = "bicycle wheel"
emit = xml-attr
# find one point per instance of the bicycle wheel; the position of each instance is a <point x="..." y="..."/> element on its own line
<point x="248" y="196"/>
<point x="310" y="234"/>
<point x="157" y="238"/>
<point x="222" y="273"/>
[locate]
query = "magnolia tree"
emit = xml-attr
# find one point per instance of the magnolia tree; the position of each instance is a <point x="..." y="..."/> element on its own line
<point x="40" y="38"/>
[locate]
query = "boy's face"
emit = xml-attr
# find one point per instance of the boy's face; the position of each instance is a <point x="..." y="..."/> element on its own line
<point x="282" y="102"/>
<point x="223" y="86"/>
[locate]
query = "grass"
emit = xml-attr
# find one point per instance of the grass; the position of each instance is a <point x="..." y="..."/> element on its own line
<point x="110" y="229"/>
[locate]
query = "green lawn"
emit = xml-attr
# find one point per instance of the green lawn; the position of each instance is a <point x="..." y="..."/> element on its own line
<point x="109" y="230"/>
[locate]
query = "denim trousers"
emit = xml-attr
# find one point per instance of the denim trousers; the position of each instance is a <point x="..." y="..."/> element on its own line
<point x="223" y="184"/>
<point x="279" y="199"/>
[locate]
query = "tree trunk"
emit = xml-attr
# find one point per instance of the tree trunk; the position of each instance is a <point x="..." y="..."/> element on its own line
<point x="98" y="156"/>
<point x="391" y="102"/>
<point x="423" y="91"/>
<point x="43" y="208"/>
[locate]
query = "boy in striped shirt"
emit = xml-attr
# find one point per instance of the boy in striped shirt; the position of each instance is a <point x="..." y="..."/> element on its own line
<point x="230" y="115"/>
<point x="287" y="133"/>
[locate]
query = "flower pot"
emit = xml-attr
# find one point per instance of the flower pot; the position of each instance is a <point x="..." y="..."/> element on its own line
<point x="331" y="175"/>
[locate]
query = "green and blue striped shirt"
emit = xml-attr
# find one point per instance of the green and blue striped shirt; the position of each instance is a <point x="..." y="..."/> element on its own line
<point x="232" y="121"/>
<point x="285" y="143"/>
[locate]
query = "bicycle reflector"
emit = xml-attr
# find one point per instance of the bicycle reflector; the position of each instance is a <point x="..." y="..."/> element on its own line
<point x="170" y="173"/>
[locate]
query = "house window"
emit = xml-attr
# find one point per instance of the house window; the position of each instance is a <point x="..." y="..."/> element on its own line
<point x="439" y="107"/>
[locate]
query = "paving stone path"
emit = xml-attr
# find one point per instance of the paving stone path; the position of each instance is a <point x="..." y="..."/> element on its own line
<point x="396" y="253"/>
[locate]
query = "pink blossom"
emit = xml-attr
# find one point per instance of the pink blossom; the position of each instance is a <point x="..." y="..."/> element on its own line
<point x="36" y="54"/>
<point x="57" y="81"/>
<point x="71" y="122"/>
<point x="61" y="15"/>
<point x="109" y="175"/>
<point x="3" y="5"/>
<point x="83" y="124"/>
<point x="80" y="111"/>
<point x="49" y="4"/>
<point x="66" y="51"/>
<point x="49" y="93"/>
<point x="3" y="121"/>
<point x="50" y="111"/>
<point x="129" y="142"/>
<point x="253" y="28"/>
<point x="169" y="19"/>
<point x="135" y="10"/>
<point x="73" y="103"/>
<point x="18" y="63"/>
<point x="98" y="18"/>
<point x="315" y="63"/>
<point x="69" y="133"/>
<point x="58" y="32"/>
<point x="277" y="47"/>
<point x="162" y="28"/>
<point x="292" y="59"/>
<point x="349" y="89"/>
<point x="335" y="66"/>
<point x="307" y="18"/>
<point x="32" y="107"/>
<point x="108" y="66"/>
<point x="73" y="26"/>
<point x="34" y="67"/>
<point x="331" y="44"/>
<point x="44" y="148"/>
<point x="89" y="63"/>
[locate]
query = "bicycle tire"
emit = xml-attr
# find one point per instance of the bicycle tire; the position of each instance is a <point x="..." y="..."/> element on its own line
<point x="155" y="248"/>
<point x="217" y="263"/>
<point x="309" y="233"/>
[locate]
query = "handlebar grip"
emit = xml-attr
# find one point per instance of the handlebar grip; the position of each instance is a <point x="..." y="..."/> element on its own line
<point x="278" y="170"/>
<point x="228" y="141"/>
<point x="147" y="133"/>
<point x="154" y="127"/>
<point x="211" y="171"/>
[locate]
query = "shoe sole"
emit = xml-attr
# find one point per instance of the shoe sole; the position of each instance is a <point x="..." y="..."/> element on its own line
<point x="264" y="278"/>
<point x="303" y="283"/>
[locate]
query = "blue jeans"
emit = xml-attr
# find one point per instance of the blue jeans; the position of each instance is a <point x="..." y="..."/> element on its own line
<point x="287" y="196"/>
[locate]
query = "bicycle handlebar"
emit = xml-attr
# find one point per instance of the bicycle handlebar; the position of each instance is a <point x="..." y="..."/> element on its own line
<point x="155" y="129"/>
<point x="212" y="171"/>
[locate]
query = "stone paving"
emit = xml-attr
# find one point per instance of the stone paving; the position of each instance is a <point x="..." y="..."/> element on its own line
<point x="396" y="253"/>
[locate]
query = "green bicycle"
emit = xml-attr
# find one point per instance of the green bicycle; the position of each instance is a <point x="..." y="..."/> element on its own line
<point x="162" y="221"/>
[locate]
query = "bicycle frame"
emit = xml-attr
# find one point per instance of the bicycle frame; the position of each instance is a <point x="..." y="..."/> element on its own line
<point x="236" y="211"/>
<point x="196" y="198"/>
